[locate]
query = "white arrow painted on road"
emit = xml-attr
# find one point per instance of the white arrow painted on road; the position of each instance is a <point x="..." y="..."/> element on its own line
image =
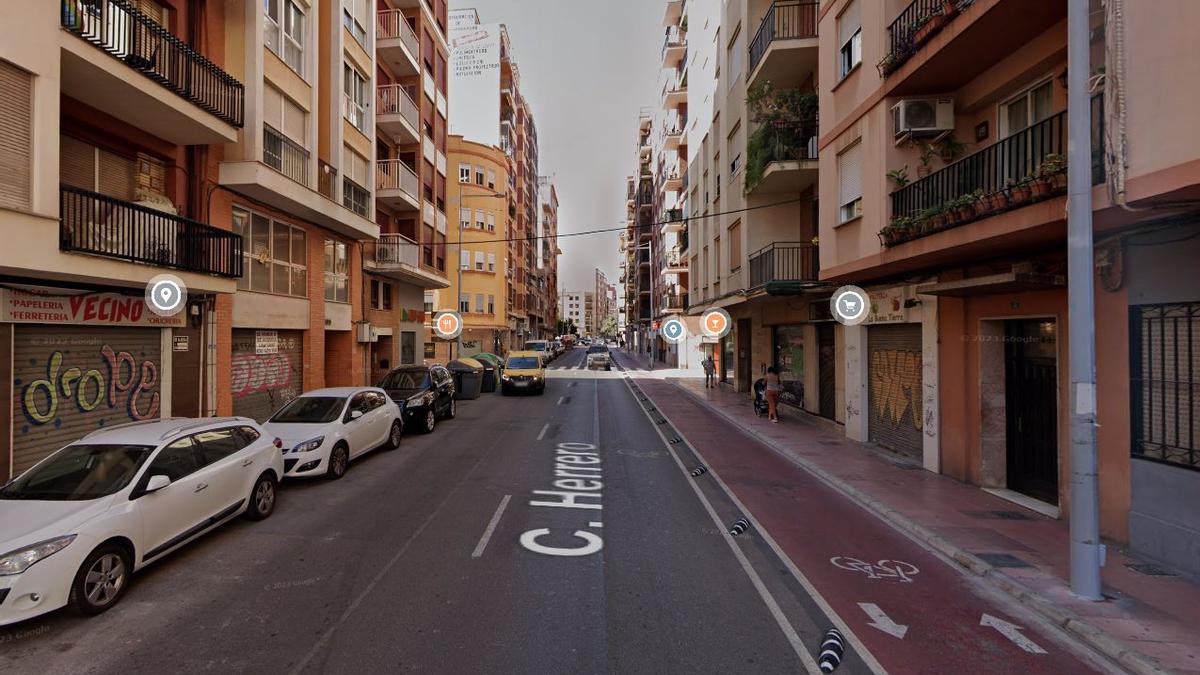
<point x="1012" y="632"/>
<point x="882" y="621"/>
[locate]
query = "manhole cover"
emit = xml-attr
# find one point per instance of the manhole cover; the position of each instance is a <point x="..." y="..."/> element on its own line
<point x="1151" y="570"/>
<point x="1002" y="560"/>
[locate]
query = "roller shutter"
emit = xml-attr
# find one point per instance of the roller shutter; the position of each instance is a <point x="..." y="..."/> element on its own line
<point x="894" y="375"/>
<point x="71" y="380"/>
<point x="263" y="383"/>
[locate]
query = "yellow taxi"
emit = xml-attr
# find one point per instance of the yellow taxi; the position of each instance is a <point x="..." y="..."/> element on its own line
<point x="523" y="372"/>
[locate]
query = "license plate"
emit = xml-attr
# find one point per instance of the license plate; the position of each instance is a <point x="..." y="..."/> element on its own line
<point x="520" y="384"/>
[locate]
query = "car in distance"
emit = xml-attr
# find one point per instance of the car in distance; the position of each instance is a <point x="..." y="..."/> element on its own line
<point x="323" y="430"/>
<point x="424" y="393"/>
<point x="556" y="346"/>
<point x="523" y="371"/>
<point x="77" y="525"/>
<point x="598" y="357"/>
<point x="542" y="347"/>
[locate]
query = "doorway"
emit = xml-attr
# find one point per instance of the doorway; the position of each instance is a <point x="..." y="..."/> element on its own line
<point x="826" y="371"/>
<point x="1031" y="407"/>
<point x="743" y="355"/>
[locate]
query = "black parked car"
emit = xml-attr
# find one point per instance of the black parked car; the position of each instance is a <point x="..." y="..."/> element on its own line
<point x="425" y="393"/>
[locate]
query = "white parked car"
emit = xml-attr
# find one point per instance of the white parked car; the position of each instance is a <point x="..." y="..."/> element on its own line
<point x="323" y="430"/>
<point x="76" y="525"/>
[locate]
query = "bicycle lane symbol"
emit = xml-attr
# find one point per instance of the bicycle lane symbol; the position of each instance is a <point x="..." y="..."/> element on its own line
<point x="884" y="569"/>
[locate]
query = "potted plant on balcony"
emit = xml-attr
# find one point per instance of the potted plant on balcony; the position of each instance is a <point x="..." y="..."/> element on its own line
<point x="1054" y="170"/>
<point x="1040" y="183"/>
<point x="1020" y="190"/>
<point x="927" y="153"/>
<point x="923" y="27"/>
<point x="932" y="219"/>
<point x="899" y="177"/>
<point x="998" y="200"/>
<point x="950" y="149"/>
<point x="900" y="229"/>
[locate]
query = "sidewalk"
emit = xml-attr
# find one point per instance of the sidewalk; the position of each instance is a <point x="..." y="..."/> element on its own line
<point x="1146" y="621"/>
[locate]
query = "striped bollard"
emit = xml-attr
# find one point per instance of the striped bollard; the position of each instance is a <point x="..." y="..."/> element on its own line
<point x="832" y="650"/>
<point x="739" y="527"/>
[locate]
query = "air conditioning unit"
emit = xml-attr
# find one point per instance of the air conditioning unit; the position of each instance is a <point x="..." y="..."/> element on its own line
<point x="923" y="116"/>
<point x="366" y="333"/>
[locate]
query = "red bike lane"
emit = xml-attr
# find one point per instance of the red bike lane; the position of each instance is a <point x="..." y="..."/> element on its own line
<point x="867" y="571"/>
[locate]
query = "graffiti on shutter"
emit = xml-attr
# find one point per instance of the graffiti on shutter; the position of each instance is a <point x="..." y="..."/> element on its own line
<point x="263" y="383"/>
<point x="894" y="374"/>
<point x="71" y="380"/>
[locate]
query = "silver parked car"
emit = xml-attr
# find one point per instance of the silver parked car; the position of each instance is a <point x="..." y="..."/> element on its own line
<point x="598" y="357"/>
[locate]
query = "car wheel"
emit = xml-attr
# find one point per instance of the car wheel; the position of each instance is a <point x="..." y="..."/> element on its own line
<point x="430" y="420"/>
<point x="262" y="498"/>
<point x="394" y="436"/>
<point x="101" y="579"/>
<point x="452" y="410"/>
<point x="339" y="461"/>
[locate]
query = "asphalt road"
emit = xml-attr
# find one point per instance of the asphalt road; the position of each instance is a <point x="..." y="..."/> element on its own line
<point x="438" y="558"/>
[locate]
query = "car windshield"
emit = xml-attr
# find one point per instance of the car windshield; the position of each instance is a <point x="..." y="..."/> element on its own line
<point x="535" y="346"/>
<point x="523" y="363"/>
<point x="310" y="410"/>
<point x="79" y="472"/>
<point x="406" y="379"/>
<point x="598" y="349"/>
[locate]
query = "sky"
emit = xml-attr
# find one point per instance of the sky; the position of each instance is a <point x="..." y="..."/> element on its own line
<point x="587" y="66"/>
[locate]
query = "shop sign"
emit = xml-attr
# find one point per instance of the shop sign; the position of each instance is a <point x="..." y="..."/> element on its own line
<point x="179" y="343"/>
<point x="887" y="306"/>
<point x="266" y="342"/>
<point x="86" y="309"/>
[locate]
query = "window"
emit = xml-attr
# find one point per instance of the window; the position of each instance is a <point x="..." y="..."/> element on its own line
<point x="92" y="168"/>
<point x="1163" y="371"/>
<point x="491" y="262"/>
<point x="275" y="255"/>
<point x="16" y="134"/>
<point x="176" y="461"/>
<point x="480" y="219"/>
<point x="491" y="222"/>
<point x="733" y="56"/>
<point x="850" y="183"/>
<point x="464" y="173"/>
<point x="381" y="294"/>
<point x="354" y="86"/>
<point x="479" y="258"/>
<point x="337" y="272"/>
<point x="735" y="246"/>
<point x="285" y="115"/>
<point x="1026" y="109"/>
<point x="285" y="32"/>
<point x="430" y="350"/>
<point x="464" y="218"/>
<point x="491" y="304"/>
<point x="465" y="259"/>
<point x="354" y="18"/>
<point x="479" y="303"/>
<point x="408" y="347"/>
<point x="464" y="303"/>
<point x="479" y="175"/>
<point x="850" y="39"/>
<point x="491" y="179"/>
<point x="216" y="445"/>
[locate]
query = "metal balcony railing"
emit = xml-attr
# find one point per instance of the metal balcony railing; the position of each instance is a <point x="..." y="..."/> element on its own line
<point x="393" y="250"/>
<point x="675" y="302"/>
<point x="326" y="179"/>
<point x="784" y="261"/>
<point x="391" y="24"/>
<point x="394" y="174"/>
<point x="783" y="21"/>
<point x="285" y="155"/>
<point x="356" y="197"/>
<point x="121" y="29"/>
<point x="90" y="222"/>
<point x="912" y="27"/>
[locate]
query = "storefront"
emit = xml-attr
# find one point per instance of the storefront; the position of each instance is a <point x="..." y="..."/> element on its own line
<point x="788" y="349"/>
<point x="268" y="370"/>
<point x="80" y="361"/>
<point x="894" y="374"/>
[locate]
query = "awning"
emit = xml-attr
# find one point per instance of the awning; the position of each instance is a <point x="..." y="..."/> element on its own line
<point x="994" y="284"/>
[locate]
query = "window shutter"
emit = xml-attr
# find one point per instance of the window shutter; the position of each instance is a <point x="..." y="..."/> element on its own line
<point x="465" y="257"/>
<point x="273" y="107"/>
<point x="735" y="245"/>
<point x="479" y="260"/>
<point x="77" y="163"/>
<point x="16" y="132"/>
<point x="155" y="11"/>
<point x="850" y="174"/>
<point x="294" y="126"/>
<point x="848" y="23"/>
<point x="116" y="175"/>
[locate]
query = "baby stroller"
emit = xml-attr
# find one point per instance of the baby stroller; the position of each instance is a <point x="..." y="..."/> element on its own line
<point x="760" y="397"/>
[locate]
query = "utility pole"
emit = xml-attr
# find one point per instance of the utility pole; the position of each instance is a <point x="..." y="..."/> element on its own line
<point x="1086" y="549"/>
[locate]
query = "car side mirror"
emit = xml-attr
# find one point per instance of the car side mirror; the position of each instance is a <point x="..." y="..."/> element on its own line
<point x="156" y="483"/>
<point x="354" y="414"/>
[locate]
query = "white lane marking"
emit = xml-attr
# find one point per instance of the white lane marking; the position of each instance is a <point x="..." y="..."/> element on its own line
<point x="769" y="600"/>
<point x="487" y="534"/>
<point x="596" y="412"/>
<point x="544" y="430"/>
<point x="1012" y="632"/>
<point x="880" y="620"/>
<point x="867" y="657"/>
<point x="561" y="399"/>
<point x="595" y="524"/>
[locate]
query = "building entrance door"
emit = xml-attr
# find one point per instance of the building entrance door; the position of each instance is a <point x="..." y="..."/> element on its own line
<point x="826" y="371"/>
<point x="1031" y="405"/>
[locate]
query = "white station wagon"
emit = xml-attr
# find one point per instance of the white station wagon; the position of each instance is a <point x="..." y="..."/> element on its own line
<point x="76" y="525"/>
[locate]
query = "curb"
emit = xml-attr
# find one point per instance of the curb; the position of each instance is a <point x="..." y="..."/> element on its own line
<point x="1091" y="636"/>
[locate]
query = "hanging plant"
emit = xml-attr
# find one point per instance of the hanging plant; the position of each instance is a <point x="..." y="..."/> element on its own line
<point x="786" y="120"/>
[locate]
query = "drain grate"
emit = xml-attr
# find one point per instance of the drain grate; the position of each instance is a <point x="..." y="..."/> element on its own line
<point x="1002" y="560"/>
<point x="1151" y="570"/>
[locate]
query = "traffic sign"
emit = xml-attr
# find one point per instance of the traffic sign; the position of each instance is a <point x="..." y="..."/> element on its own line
<point x="447" y="325"/>
<point x="850" y="305"/>
<point x="716" y="323"/>
<point x="674" y="330"/>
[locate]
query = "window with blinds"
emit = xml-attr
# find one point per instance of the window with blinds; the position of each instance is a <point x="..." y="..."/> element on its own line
<point x="735" y="246"/>
<point x="284" y="115"/>
<point x="850" y="39"/>
<point x="86" y="166"/>
<point x="850" y="183"/>
<point x="16" y="137"/>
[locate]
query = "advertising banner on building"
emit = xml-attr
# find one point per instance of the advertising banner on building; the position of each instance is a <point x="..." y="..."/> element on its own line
<point x="91" y="309"/>
<point x="475" y="81"/>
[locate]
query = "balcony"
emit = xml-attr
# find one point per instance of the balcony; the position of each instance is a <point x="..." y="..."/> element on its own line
<point x="396" y="114"/>
<point x="674" y="303"/>
<point x="674" y="131"/>
<point x="675" y="262"/>
<point x="397" y="186"/>
<point x="100" y="225"/>
<point x="399" y="257"/>
<point x="1023" y="169"/>
<point x="673" y="178"/>
<point x="785" y="268"/>
<point x="396" y="43"/>
<point x="673" y="13"/>
<point x="154" y="80"/>
<point x="784" y="50"/>
<point x="674" y="49"/>
<point x="674" y="93"/>
<point x="673" y="221"/>
<point x="285" y="155"/>
<point x="792" y="172"/>
<point x="940" y="45"/>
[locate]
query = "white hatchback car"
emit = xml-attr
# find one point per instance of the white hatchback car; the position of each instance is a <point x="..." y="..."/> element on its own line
<point x="77" y="524"/>
<point x="322" y="430"/>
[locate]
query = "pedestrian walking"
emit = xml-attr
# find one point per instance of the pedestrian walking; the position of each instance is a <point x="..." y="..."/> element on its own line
<point x="774" y="389"/>
<point x="709" y="368"/>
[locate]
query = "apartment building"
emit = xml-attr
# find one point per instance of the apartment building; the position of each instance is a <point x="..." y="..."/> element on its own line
<point x="546" y="248"/>
<point x="571" y="308"/>
<point x="637" y="244"/>
<point x="478" y="289"/>
<point x="943" y="157"/>
<point x="488" y="108"/>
